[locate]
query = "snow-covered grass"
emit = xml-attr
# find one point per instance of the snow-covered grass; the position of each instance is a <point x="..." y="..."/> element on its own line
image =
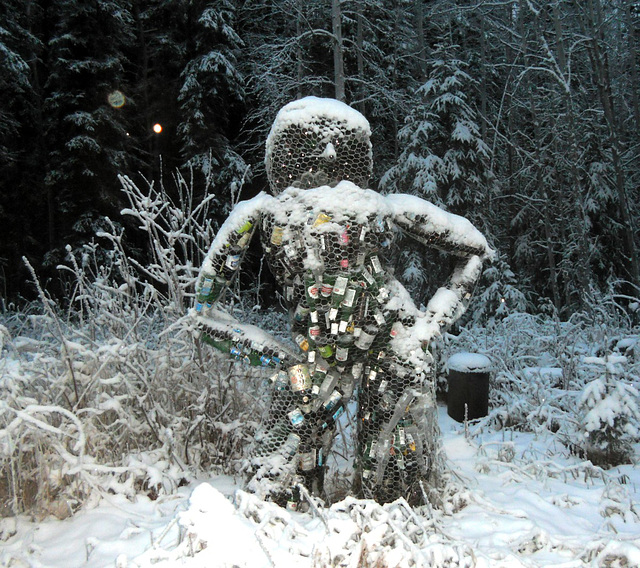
<point x="516" y="499"/>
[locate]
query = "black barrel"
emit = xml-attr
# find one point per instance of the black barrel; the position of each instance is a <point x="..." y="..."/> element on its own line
<point x="468" y="386"/>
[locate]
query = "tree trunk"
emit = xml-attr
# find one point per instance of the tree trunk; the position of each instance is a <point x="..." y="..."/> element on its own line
<point x="299" y="58"/>
<point x="338" y="55"/>
<point x="421" y="52"/>
<point x="360" y="58"/>
<point x="633" y="64"/>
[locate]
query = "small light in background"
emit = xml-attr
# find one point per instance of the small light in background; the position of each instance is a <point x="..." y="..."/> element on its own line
<point x="157" y="128"/>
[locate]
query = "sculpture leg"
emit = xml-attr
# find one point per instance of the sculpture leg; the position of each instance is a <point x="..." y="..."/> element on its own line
<point x="398" y="434"/>
<point x="290" y="446"/>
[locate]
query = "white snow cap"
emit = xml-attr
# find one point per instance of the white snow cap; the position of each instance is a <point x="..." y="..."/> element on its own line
<point x="307" y="109"/>
<point x="469" y="363"/>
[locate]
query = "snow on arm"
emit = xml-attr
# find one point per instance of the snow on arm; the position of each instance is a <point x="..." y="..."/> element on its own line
<point x="243" y="212"/>
<point x="438" y="228"/>
<point x="450" y="233"/>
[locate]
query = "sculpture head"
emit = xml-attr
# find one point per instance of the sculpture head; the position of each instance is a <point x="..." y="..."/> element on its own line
<point x="315" y="142"/>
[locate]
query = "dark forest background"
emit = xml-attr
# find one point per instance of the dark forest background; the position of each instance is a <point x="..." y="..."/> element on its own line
<point x="523" y="115"/>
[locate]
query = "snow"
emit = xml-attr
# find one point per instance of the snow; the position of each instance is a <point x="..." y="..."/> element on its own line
<point x="513" y="506"/>
<point x="437" y="220"/>
<point x="243" y="211"/>
<point x="306" y="111"/>
<point x="346" y="201"/>
<point x="469" y="363"/>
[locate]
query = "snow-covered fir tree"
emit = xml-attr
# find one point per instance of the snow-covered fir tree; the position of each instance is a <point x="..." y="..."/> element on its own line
<point x="443" y="157"/>
<point x="609" y="413"/>
<point x="211" y="90"/>
<point x="86" y="130"/>
<point x="499" y="296"/>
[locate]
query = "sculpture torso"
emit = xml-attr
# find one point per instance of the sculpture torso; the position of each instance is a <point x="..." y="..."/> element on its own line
<point x="327" y="248"/>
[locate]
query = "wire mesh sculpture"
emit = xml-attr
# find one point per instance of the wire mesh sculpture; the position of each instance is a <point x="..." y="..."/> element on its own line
<point x="358" y="333"/>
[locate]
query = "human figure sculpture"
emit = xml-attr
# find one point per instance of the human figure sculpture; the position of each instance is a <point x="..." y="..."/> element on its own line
<point x="359" y="335"/>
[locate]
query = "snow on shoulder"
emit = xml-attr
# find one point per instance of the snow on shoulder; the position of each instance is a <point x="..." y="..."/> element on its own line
<point x="345" y="201"/>
<point x="243" y="212"/>
<point x="469" y="363"/>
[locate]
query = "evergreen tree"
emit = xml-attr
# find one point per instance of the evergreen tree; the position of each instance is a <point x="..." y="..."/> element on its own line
<point x="85" y="129"/>
<point x="210" y="97"/>
<point x="444" y="159"/>
<point x="23" y="212"/>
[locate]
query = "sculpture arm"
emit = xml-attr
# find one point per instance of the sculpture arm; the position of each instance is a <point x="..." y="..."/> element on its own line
<point x="220" y="267"/>
<point x="222" y="263"/>
<point x="452" y="234"/>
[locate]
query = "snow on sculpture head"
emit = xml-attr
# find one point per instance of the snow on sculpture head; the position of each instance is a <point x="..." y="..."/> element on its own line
<point x="315" y="142"/>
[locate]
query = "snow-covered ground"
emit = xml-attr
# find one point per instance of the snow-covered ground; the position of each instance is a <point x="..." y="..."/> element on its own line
<point x="519" y="501"/>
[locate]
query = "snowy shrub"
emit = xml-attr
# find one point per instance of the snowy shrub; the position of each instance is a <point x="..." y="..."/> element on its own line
<point x="610" y="414"/>
<point x="540" y="368"/>
<point x="111" y="392"/>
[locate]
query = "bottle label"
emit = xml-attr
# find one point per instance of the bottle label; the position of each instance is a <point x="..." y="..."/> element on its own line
<point x="326" y="351"/>
<point x="313" y="290"/>
<point x="342" y="353"/>
<point x="296" y="417"/>
<point x="368" y="277"/>
<point x="302" y="342"/>
<point x="232" y="262"/>
<point x="326" y="290"/>
<point x="333" y="400"/>
<point x="300" y="378"/>
<point x="244" y="228"/>
<point x="349" y="297"/>
<point x="340" y="286"/>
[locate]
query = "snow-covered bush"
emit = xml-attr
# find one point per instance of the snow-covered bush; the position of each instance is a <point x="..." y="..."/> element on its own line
<point x="610" y="415"/>
<point x="548" y="377"/>
<point x="110" y="391"/>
